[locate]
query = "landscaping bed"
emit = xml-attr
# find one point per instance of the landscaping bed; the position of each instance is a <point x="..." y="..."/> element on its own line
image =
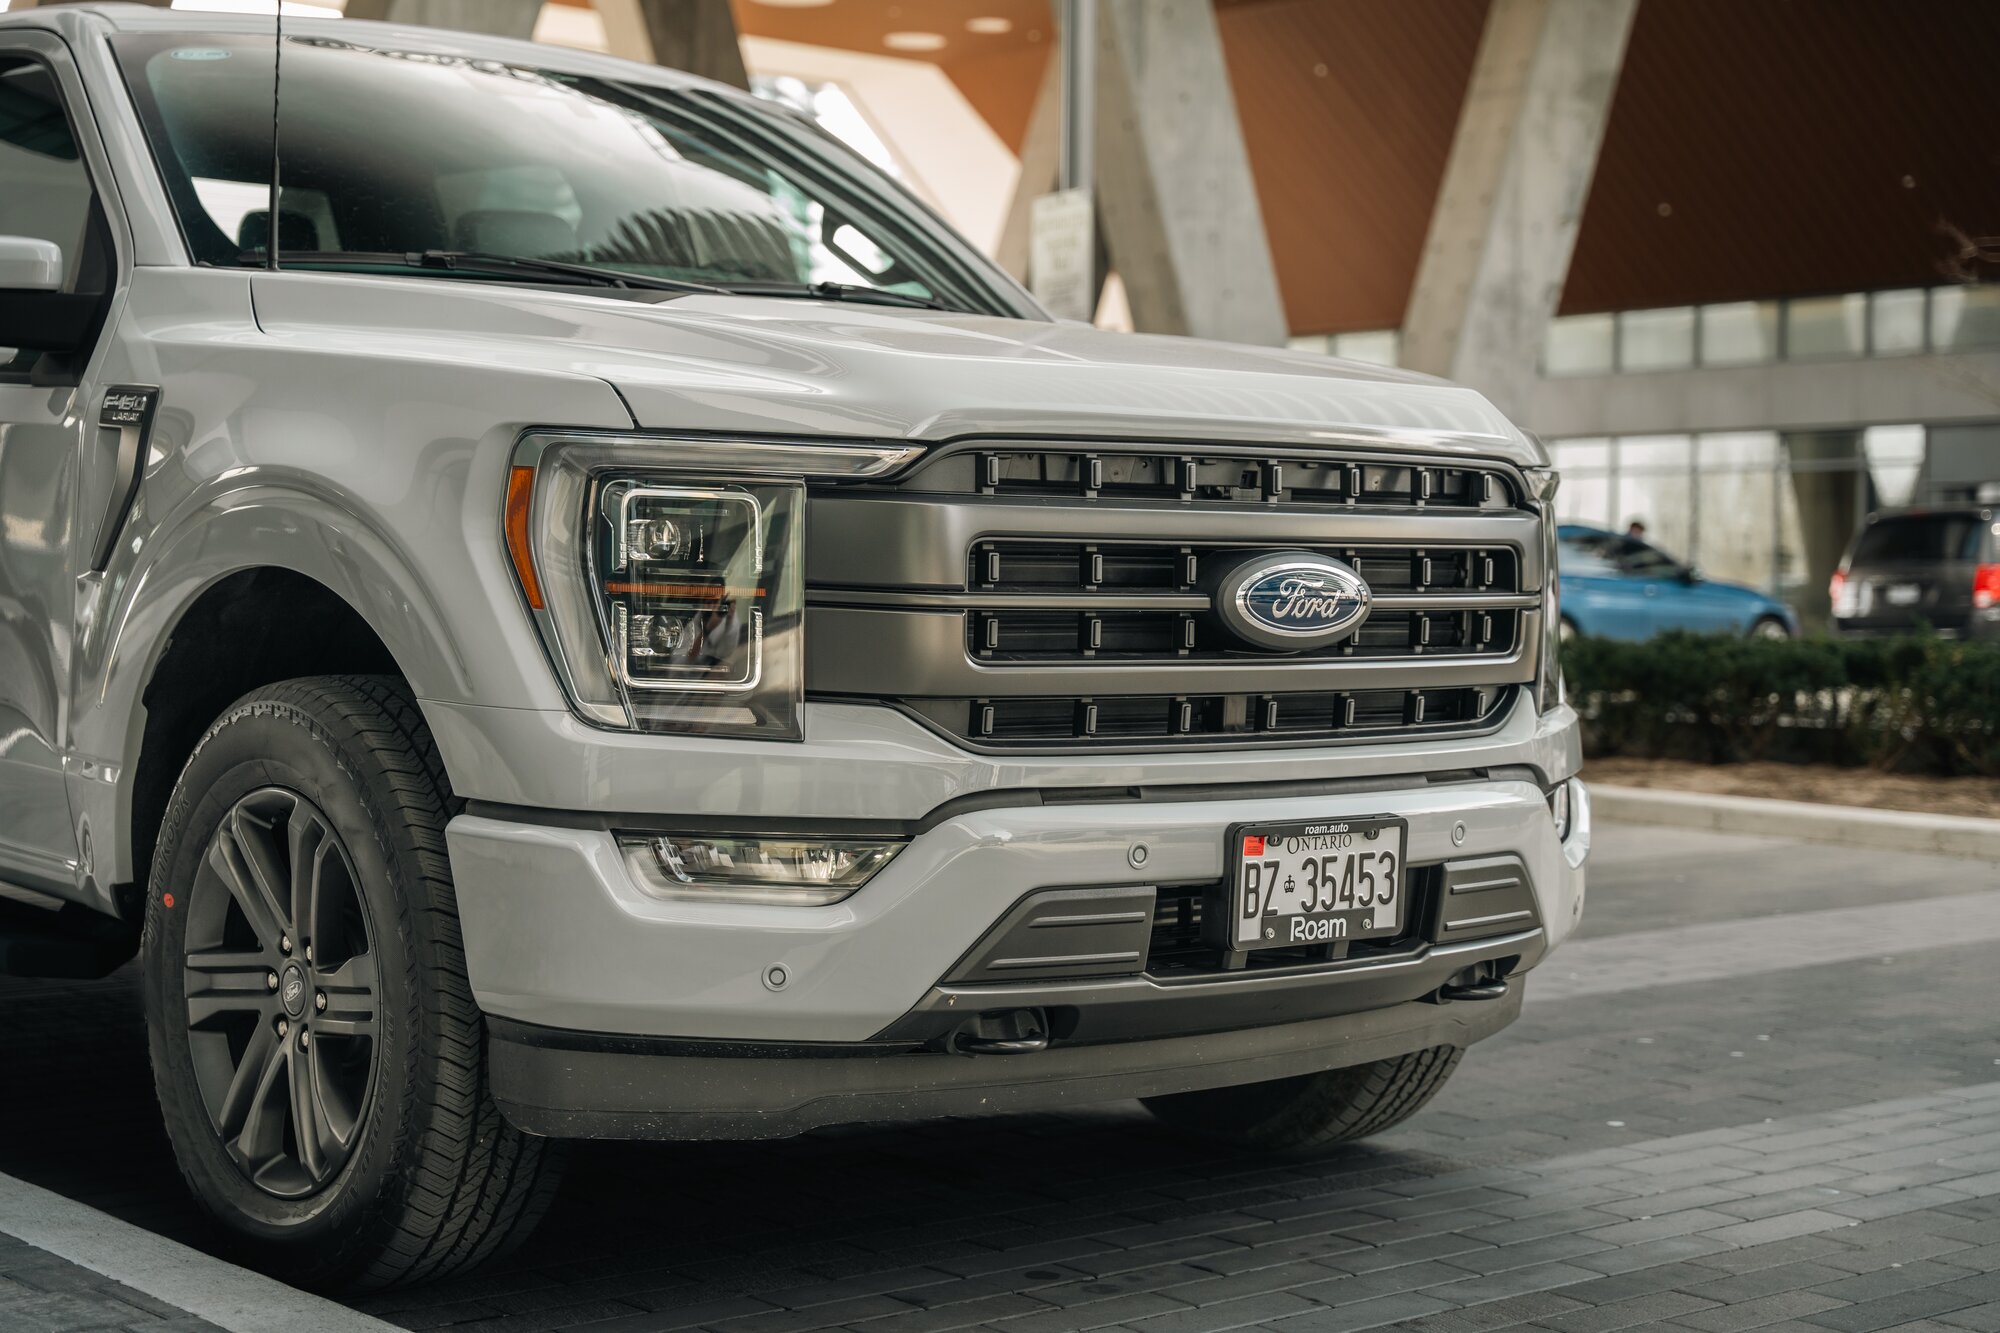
<point x="1817" y="784"/>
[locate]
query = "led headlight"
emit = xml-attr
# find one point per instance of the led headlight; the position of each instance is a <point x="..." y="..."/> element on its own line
<point x="665" y="574"/>
<point x="801" y="872"/>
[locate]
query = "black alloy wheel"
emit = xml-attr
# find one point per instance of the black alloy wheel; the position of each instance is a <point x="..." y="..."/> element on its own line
<point x="317" y="1048"/>
<point x="280" y="985"/>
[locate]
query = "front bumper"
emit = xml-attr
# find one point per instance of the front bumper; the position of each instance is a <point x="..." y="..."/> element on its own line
<point x="557" y="934"/>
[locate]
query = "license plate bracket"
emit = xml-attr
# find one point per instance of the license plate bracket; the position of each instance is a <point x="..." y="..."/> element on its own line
<point x="1312" y="882"/>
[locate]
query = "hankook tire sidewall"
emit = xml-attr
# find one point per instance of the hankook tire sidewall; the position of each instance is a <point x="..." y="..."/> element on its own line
<point x="276" y="745"/>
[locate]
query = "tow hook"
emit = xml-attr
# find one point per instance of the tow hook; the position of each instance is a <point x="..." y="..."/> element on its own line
<point x="1474" y="983"/>
<point x="1006" y="1032"/>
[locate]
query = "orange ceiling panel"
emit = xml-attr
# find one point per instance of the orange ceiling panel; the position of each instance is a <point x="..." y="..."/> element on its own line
<point x="1348" y="109"/>
<point x="1761" y="148"/>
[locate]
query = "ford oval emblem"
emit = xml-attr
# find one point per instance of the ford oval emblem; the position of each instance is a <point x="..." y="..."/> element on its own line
<point x="1291" y="600"/>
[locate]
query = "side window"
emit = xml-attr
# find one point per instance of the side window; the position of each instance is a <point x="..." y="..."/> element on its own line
<point x="45" y="191"/>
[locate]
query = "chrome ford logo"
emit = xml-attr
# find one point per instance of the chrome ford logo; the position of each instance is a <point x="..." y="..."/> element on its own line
<point x="1295" y="600"/>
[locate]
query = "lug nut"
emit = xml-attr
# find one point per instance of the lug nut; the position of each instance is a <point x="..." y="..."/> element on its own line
<point x="305" y="1039"/>
<point x="284" y="944"/>
<point x="270" y="981"/>
<point x="283" y="1027"/>
<point x="319" y="1000"/>
<point x="309" y="953"/>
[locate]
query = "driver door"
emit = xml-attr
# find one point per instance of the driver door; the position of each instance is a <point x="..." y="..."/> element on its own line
<point x="47" y="204"/>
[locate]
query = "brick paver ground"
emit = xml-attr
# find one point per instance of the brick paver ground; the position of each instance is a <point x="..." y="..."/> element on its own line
<point x="1695" y="1129"/>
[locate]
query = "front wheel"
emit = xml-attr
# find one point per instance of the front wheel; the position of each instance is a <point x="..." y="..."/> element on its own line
<point x="314" y="1041"/>
<point x="1770" y="627"/>
<point x="1291" y="1115"/>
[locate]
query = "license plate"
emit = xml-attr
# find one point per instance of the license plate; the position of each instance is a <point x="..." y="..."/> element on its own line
<point x="1904" y="594"/>
<point x="1316" y="882"/>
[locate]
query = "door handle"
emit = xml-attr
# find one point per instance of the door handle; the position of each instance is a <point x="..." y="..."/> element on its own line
<point x="128" y="409"/>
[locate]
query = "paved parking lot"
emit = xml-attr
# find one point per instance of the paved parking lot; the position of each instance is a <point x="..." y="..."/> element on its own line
<point x="1761" y="1090"/>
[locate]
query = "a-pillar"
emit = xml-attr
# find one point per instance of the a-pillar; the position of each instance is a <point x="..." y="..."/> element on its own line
<point x="1505" y="223"/>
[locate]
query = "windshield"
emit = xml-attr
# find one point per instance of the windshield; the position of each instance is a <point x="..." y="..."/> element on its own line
<point x="387" y="154"/>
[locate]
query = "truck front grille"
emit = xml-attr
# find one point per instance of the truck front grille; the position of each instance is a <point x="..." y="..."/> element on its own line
<point x="1050" y="598"/>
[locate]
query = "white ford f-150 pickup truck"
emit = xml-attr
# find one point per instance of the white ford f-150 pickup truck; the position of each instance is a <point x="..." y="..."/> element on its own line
<point x="584" y="610"/>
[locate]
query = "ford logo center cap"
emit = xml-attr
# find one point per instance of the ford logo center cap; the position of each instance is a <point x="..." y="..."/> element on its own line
<point x="1291" y="600"/>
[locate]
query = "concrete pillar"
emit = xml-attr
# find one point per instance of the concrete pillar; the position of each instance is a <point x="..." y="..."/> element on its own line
<point x="1176" y="202"/>
<point x="1040" y="149"/>
<point x="1830" y="481"/>
<point x="1514" y="186"/>
<point x="697" y="36"/>
<point x="497" y="18"/>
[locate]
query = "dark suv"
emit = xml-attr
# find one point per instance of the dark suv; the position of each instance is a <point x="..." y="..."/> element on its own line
<point x="1922" y="567"/>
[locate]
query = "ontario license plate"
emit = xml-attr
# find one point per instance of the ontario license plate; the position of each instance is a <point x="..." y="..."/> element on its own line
<point x="1317" y="882"/>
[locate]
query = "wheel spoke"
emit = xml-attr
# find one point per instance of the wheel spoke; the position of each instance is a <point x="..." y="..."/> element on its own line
<point x="305" y="1110"/>
<point x="308" y="845"/>
<point x="337" y="1115"/>
<point x="350" y="999"/>
<point x="246" y="864"/>
<point x="227" y="981"/>
<point x="252" y="1078"/>
<point x="261" y="1136"/>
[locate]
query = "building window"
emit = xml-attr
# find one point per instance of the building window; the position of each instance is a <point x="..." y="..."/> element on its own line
<point x="1581" y="345"/>
<point x="1964" y="318"/>
<point x="1656" y="339"/>
<point x="1827" y="326"/>
<point x="1896" y="322"/>
<point x="1739" y="333"/>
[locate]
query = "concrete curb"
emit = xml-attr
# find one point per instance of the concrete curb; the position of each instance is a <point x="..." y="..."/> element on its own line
<point x="1845" y="825"/>
<point x="210" y="1289"/>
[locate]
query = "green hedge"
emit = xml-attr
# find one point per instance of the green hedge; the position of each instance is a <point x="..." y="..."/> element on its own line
<point x="1917" y="704"/>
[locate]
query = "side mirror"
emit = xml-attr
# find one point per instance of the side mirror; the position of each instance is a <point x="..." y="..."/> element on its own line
<point x="30" y="264"/>
<point x="36" y="314"/>
<point x="1692" y="574"/>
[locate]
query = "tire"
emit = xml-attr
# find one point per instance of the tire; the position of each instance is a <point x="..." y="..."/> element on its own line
<point x="1770" y="627"/>
<point x="411" y="1173"/>
<point x="1301" y="1115"/>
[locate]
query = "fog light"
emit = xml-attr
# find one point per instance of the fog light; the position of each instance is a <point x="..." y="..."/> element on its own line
<point x="800" y="872"/>
<point x="1559" y="807"/>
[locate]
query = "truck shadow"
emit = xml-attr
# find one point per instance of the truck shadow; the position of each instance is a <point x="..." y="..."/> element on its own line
<point x="656" y="1226"/>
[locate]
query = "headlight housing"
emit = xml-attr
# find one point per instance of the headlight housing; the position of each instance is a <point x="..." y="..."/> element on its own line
<point x="1542" y="483"/>
<point x="665" y="575"/>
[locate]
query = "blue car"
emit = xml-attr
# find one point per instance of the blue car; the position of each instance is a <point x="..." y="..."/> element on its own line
<point x="1618" y="587"/>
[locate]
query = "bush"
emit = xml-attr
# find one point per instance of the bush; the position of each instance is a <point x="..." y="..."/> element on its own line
<point x="1917" y="704"/>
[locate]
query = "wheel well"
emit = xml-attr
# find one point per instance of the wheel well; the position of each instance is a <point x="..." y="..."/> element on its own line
<point x="252" y="628"/>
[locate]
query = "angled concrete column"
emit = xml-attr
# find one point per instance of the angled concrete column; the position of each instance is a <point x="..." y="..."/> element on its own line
<point x="1505" y="224"/>
<point x="1175" y="198"/>
<point x="1040" y="149"/>
<point x="498" y="18"/>
<point x="698" y="36"/>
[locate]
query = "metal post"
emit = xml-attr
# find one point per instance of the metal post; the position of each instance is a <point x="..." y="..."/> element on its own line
<point x="1077" y="166"/>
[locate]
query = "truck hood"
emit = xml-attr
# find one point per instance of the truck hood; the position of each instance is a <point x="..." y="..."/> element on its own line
<point x="792" y="367"/>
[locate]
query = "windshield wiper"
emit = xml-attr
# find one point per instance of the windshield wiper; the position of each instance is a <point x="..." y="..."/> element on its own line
<point x="834" y="291"/>
<point x="480" y="261"/>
